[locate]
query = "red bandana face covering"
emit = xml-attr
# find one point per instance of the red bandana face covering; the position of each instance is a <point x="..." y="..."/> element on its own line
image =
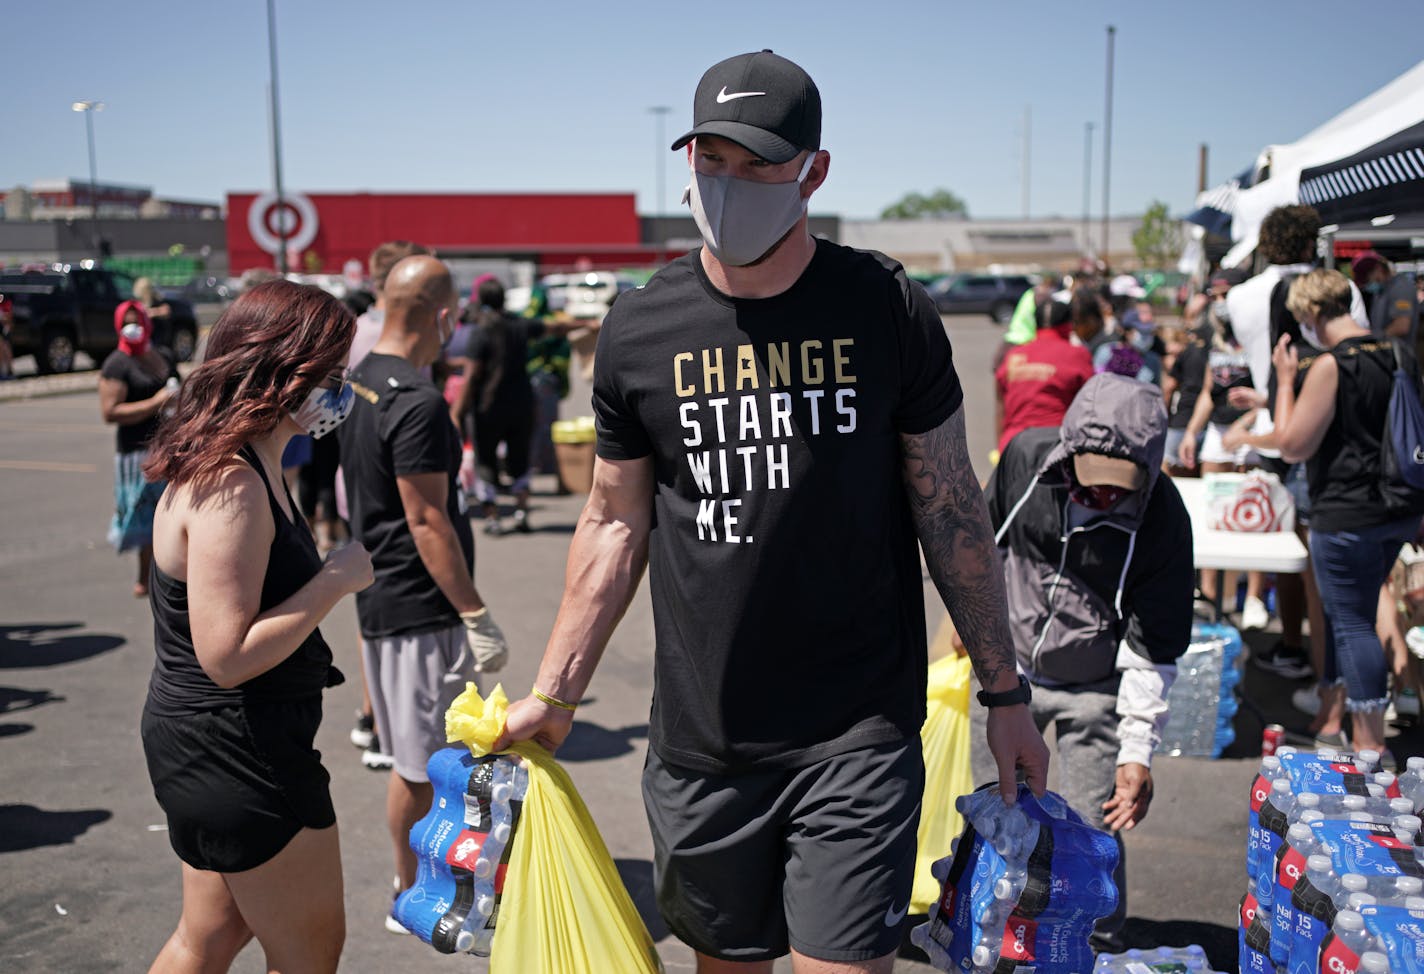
<point x="1099" y="497"/>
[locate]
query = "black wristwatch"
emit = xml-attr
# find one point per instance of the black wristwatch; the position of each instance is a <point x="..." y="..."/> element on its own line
<point x="1019" y="694"/>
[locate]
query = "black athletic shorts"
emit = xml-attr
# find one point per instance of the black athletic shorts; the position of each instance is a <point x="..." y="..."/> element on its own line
<point x="819" y="858"/>
<point x="238" y="783"/>
<point x="514" y="427"/>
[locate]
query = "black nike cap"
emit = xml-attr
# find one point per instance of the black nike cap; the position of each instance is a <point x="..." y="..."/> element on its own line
<point x="760" y="101"/>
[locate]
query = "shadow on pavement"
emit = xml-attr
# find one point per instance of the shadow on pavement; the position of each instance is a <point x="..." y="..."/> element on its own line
<point x="28" y="827"/>
<point x="15" y="730"/>
<point x="637" y="876"/>
<point x="1269" y="697"/>
<point x="35" y="644"/>
<point x="589" y="742"/>
<point x="15" y="699"/>
<point x="1218" y="941"/>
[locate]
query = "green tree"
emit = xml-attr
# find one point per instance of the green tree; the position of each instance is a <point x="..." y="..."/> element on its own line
<point x="917" y="206"/>
<point x="1158" y="241"/>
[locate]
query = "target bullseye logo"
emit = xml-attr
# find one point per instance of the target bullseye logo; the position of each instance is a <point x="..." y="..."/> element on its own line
<point x="268" y="219"/>
<point x="1252" y="510"/>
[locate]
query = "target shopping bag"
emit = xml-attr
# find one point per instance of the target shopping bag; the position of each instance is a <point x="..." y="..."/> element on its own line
<point x="1255" y="502"/>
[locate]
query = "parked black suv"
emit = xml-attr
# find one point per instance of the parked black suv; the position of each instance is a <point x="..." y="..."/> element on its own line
<point x="60" y="311"/>
<point x="993" y="294"/>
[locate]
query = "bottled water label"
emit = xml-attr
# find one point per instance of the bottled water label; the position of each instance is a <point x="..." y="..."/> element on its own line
<point x="1022" y="889"/>
<point x="1254" y="937"/>
<point x="1328" y="774"/>
<point x="1368" y="848"/>
<point x="462" y="848"/>
<point x="1399" y="933"/>
<point x="1290" y="870"/>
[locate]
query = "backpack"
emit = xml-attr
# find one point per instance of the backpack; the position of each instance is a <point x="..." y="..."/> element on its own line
<point x="1402" y="445"/>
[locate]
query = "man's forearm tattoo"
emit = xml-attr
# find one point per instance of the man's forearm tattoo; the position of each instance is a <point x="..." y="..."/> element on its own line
<point x="953" y="525"/>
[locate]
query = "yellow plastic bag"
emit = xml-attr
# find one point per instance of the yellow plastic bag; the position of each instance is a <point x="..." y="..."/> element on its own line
<point x="565" y="909"/>
<point x="945" y="738"/>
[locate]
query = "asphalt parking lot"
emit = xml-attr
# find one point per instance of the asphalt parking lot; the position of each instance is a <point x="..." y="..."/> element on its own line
<point x="89" y="881"/>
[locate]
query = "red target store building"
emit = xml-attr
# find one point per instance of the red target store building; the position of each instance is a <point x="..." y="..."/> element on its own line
<point x="553" y="231"/>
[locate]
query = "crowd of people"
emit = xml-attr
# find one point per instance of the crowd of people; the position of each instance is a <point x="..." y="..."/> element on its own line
<point x="1233" y="381"/>
<point x="731" y="394"/>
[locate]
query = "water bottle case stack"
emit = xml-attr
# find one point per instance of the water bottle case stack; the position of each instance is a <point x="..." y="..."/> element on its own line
<point x="1021" y="888"/>
<point x="1335" y="869"/>
<point x="462" y="847"/>
<point x="1202" y="702"/>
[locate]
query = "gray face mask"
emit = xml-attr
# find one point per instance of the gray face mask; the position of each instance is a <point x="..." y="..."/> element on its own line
<point x="740" y="220"/>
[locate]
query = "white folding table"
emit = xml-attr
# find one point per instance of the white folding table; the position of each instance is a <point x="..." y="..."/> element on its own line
<point x="1237" y="551"/>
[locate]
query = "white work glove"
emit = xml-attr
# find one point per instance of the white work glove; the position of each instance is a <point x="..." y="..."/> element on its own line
<point x="466" y="476"/>
<point x="486" y="641"/>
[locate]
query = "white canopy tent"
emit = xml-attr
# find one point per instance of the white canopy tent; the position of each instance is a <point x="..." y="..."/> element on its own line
<point x="1365" y="163"/>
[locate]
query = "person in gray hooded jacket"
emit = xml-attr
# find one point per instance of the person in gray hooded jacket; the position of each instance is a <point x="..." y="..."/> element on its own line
<point x="1097" y="550"/>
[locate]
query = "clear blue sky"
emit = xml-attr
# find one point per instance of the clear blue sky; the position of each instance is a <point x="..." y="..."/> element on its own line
<point x="480" y="95"/>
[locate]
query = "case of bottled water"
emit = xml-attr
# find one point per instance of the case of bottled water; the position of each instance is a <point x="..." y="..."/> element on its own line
<point x="1331" y="838"/>
<point x="1163" y="960"/>
<point x="462" y="847"/>
<point x="1202" y="702"/>
<point x="1021" y="889"/>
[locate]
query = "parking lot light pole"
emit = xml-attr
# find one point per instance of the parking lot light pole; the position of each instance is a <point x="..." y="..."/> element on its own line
<point x="661" y="113"/>
<point x="276" y="120"/>
<point x="89" y="108"/>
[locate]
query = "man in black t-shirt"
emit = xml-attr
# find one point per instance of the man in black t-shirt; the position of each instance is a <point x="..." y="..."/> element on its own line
<point x="425" y="631"/>
<point x="779" y="423"/>
<point x="498" y="399"/>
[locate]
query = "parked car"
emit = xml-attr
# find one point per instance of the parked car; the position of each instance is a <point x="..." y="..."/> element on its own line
<point x="61" y="310"/>
<point x="993" y="294"/>
<point x="203" y="290"/>
<point x="591" y="295"/>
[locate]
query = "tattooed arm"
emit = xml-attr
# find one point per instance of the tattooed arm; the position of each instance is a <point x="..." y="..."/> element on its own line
<point x="953" y="526"/>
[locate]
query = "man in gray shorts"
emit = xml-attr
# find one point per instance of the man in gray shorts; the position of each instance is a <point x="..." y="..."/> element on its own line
<point x="425" y="630"/>
<point x="779" y="424"/>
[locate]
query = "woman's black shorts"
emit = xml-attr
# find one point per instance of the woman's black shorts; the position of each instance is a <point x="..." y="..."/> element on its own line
<point x="237" y="783"/>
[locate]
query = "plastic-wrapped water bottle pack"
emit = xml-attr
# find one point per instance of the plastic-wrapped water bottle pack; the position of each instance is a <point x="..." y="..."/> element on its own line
<point x="1332" y="840"/>
<point x="462" y="847"/>
<point x="1163" y="960"/>
<point x="1021" y="889"/>
<point x="1202" y="701"/>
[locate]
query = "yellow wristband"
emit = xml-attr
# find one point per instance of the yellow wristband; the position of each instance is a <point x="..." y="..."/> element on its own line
<point x="553" y="701"/>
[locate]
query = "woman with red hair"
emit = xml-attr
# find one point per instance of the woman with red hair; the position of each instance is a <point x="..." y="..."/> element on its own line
<point x="135" y="382"/>
<point x="238" y="592"/>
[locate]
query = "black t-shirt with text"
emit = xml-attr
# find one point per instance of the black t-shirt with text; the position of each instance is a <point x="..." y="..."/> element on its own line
<point x="141" y="382"/>
<point x="787" y="596"/>
<point x="399" y="426"/>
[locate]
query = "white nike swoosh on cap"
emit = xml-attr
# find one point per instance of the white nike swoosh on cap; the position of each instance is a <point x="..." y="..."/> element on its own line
<point x="723" y="97"/>
<point x="893" y="918"/>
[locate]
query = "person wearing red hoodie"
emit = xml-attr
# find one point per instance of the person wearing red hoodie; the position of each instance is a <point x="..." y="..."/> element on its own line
<point x="1038" y="380"/>
<point x="135" y="382"/>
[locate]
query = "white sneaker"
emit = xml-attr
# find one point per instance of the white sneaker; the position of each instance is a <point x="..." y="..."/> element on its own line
<point x="1254" y="614"/>
<point x="1306" y="700"/>
<point x="392" y="924"/>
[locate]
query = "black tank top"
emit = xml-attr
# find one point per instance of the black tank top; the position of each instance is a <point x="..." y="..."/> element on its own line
<point x="180" y="687"/>
<point x="1344" y="474"/>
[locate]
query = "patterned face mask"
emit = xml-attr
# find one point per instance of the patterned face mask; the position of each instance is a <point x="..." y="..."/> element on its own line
<point x="325" y="409"/>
